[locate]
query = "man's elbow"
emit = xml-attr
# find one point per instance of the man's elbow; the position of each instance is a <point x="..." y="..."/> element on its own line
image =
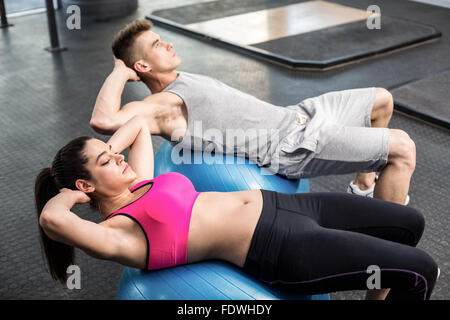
<point x="103" y="126"/>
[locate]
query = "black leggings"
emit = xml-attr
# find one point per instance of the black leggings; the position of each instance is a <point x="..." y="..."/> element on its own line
<point x="323" y="242"/>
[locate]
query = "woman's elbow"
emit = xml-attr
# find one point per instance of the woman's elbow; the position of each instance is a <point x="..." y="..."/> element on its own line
<point x="45" y="219"/>
<point x="49" y="225"/>
<point x="49" y="222"/>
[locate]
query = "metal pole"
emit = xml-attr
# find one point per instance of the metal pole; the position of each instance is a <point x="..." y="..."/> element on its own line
<point x="4" y="20"/>
<point x="52" y="28"/>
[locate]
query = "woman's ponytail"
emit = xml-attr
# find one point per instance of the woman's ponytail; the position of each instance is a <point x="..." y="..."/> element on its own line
<point x="68" y="166"/>
<point x="58" y="255"/>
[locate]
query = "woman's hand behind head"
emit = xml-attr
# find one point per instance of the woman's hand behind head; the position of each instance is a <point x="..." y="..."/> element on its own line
<point x="76" y="196"/>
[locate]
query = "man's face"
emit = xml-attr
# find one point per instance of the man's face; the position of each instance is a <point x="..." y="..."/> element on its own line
<point x="159" y="54"/>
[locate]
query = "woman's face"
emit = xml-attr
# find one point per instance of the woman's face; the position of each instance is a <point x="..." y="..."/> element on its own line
<point x="110" y="173"/>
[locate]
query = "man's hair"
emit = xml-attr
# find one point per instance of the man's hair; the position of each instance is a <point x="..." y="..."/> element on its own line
<point x="124" y="43"/>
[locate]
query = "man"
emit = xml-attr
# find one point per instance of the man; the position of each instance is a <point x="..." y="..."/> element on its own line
<point x="336" y="133"/>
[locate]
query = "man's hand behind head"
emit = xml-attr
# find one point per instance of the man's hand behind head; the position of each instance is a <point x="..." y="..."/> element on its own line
<point x="120" y="66"/>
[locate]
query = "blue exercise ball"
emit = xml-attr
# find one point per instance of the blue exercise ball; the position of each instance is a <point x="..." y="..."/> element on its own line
<point x="210" y="280"/>
<point x="241" y="174"/>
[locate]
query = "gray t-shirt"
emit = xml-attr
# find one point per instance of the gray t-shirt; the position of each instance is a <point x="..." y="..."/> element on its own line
<point x="230" y="121"/>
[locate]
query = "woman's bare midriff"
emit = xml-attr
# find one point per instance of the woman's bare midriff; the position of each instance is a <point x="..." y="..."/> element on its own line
<point x="222" y="225"/>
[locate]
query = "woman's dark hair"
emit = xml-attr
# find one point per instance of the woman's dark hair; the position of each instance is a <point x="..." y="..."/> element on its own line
<point x="68" y="165"/>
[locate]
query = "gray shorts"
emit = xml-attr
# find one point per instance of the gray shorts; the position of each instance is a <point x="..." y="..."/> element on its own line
<point x="333" y="135"/>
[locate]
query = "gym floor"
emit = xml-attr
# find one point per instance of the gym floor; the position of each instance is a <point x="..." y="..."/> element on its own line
<point x="47" y="99"/>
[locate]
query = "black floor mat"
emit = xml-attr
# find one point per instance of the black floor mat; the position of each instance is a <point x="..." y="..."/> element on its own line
<point x="317" y="50"/>
<point x="429" y="98"/>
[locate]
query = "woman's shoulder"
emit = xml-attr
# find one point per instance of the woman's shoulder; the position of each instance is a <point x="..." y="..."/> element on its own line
<point x="139" y="183"/>
<point x="168" y="175"/>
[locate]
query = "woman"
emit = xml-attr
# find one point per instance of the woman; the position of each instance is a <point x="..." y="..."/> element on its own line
<point x="314" y="243"/>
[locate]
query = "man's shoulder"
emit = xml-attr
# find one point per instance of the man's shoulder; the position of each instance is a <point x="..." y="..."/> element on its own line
<point x="162" y="97"/>
<point x="185" y="74"/>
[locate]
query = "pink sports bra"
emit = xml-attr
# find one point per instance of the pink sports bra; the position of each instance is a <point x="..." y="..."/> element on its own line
<point x="164" y="215"/>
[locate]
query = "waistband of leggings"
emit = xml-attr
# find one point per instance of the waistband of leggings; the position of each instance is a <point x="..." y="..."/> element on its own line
<point x="261" y="235"/>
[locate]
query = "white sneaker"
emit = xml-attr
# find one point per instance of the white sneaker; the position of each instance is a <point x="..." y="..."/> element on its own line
<point x="354" y="189"/>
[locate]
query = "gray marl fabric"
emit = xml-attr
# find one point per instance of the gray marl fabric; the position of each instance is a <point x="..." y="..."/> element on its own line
<point x="219" y="115"/>
<point x="283" y="139"/>
<point x="339" y="138"/>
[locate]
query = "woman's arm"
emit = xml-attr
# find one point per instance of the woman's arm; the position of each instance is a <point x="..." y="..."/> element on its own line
<point x="62" y="225"/>
<point x="136" y="135"/>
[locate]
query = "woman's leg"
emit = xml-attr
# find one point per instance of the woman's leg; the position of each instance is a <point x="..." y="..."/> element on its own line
<point x="325" y="260"/>
<point x="378" y="218"/>
<point x="318" y="243"/>
<point x="405" y="225"/>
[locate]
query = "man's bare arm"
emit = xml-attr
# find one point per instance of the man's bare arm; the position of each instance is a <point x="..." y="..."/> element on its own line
<point x="105" y="117"/>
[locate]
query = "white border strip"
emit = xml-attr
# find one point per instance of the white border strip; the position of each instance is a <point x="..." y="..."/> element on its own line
<point x="25" y="13"/>
<point x="439" y="3"/>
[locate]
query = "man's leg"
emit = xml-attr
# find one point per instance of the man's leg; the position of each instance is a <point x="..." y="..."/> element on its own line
<point x="393" y="182"/>
<point x="362" y="144"/>
<point x="379" y="118"/>
<point x="395" y="178"/>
